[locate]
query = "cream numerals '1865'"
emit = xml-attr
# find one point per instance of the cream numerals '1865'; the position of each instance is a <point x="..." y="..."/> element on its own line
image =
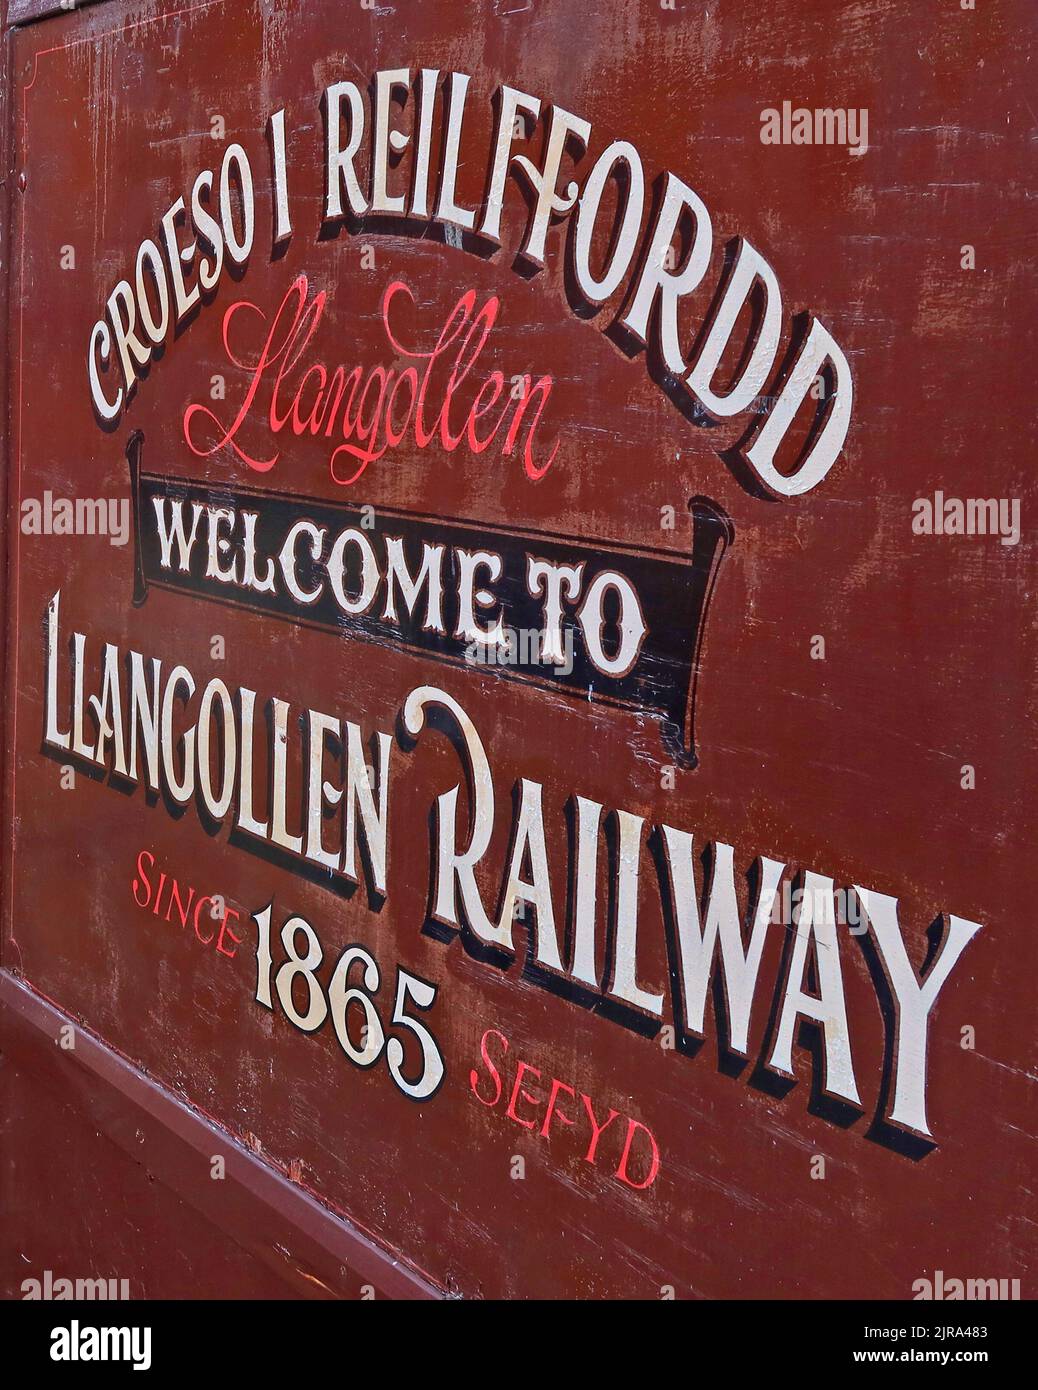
<point x="355" y="981"/>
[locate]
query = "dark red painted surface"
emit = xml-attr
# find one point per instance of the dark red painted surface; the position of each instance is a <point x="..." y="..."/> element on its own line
<point x="851" y="766"/>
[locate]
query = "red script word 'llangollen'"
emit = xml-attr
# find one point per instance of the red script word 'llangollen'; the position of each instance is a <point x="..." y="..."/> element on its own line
<point x="439" y="398"/>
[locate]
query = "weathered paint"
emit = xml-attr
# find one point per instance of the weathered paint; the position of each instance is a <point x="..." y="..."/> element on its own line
<point x="775" y="690"/>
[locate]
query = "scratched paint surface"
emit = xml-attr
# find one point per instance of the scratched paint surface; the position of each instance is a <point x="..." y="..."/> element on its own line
<point x="850" y="766"/>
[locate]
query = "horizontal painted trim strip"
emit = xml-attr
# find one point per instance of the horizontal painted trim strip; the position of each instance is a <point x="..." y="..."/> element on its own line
<point x="28" y="11"/>
<point x="261" y="1210"/>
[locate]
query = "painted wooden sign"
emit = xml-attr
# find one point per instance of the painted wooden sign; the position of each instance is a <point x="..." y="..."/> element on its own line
<point x="519" y="640"/>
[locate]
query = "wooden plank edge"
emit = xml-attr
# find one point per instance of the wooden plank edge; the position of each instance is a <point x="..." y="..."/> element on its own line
<point x="316" y="1251"/>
